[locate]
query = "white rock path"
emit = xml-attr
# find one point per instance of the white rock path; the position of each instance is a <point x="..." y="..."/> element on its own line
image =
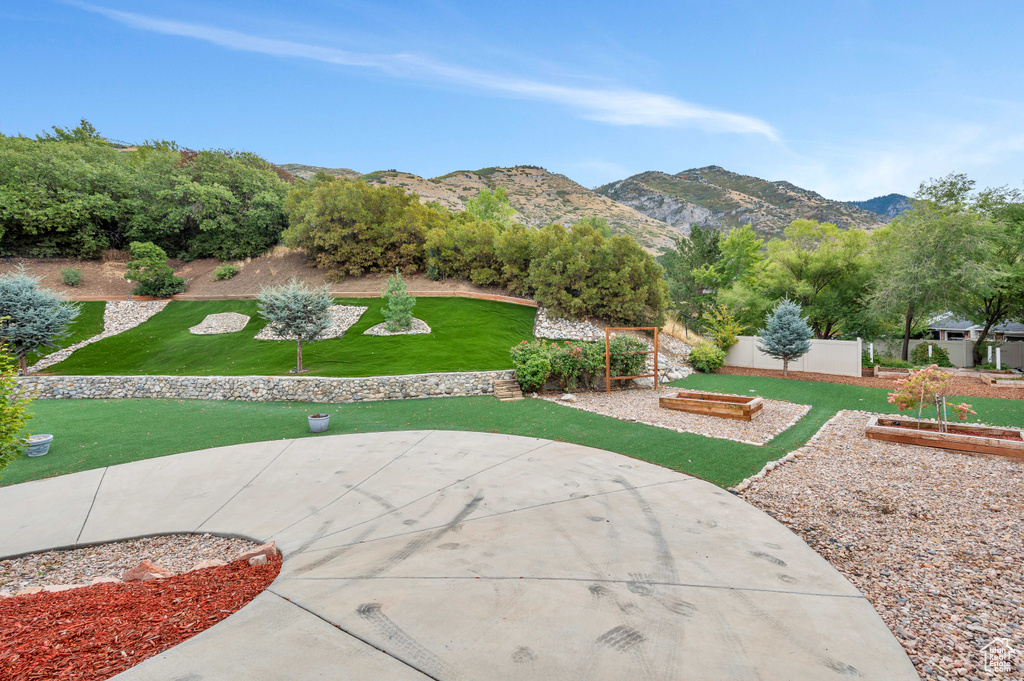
<point x="118" y="317"/>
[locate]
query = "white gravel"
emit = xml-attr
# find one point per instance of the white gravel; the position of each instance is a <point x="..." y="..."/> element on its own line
<point x="418" y="326"/>
<point x="558" y="328"/>
<point x="178" y="553"/>
<point x="934" y="539"/>
<point x="342" y="318"/>
<point x="221" y="322"/>
<point x="118" y="317"/>
<point x="641" y="406"/>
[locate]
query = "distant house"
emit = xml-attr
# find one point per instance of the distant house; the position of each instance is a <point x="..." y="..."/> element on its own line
<point x="951" y="327"/>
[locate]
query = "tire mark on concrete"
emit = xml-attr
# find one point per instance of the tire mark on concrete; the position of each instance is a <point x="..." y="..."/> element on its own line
<point x="315" y="537"/>
<point x="332" y="554"/>
<point x="400" y="644"/>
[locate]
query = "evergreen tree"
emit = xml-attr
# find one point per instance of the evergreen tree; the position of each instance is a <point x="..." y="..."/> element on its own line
<point x="296" y="312"/>
<point x="398" y="304"/>
<point x="31" y="317"/>
<point x="787" y="336"/>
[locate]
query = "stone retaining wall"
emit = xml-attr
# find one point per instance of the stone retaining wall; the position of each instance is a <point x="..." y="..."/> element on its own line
<point x="264" y="388"/>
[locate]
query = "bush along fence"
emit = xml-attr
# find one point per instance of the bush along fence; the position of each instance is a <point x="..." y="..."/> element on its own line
<point x="265" y="388"/>
<point x="575" y="365"/>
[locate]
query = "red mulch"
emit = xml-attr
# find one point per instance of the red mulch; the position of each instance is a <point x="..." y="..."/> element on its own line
<point x="961" y="386"/>
<point x="92" y="633"/>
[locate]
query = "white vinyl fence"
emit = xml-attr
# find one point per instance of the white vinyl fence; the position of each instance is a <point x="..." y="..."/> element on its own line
<point x="842" y="358"/>
<point x="961" y="352"/>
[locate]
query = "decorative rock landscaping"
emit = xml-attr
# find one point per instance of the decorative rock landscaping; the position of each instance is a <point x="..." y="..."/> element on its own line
<point x="557" y="328"/>
<point x="342" y="318"/>
<point x="934" y="539"/>
<point x="418" y="326"/>
<point x="265" y="388"/>
<point x="110" y="562"/>
<point x="222" y="322"/>
<point x="118" y="316"/>
<point x="641" y="406"/>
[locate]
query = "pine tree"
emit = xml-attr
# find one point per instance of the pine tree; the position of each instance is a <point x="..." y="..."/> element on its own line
<point x="787" y="336"/>
<point x="31" y="317"/>
<point x="398" y="304"/>
<point x="297" y="312"/>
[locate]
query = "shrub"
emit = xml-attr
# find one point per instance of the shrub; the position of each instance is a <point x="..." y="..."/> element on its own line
<point x="224" y="272"/>
<point x="626" y="357"/>
<point x="532" y="363"/>
<point x="71" y="276"/>
<point x="150" y="271"/>
<point x="893" y="362"/>
<point x="575" y="364"/>
<point x="940" y="356"/>
<point x="706" y="357"/>
<point x="13" y="411"/>
<point x="722" y="327"/>
<point x="928" y="386"/>
<point x="398" y="305"/>
<point x="31" y="317"/>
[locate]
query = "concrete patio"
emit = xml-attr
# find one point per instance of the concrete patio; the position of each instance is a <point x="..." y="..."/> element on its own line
<point x="454" y="555"/>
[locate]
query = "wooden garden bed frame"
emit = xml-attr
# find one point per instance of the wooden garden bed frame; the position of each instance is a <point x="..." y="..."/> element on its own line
<point x="880" y="428"/>
<point x="608" y="378"/>
<point x="1001" y="381"/>
<point x="738" y="407"/>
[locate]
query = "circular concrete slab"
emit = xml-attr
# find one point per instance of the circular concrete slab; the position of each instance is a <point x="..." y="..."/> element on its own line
<point x="451" y="555"/>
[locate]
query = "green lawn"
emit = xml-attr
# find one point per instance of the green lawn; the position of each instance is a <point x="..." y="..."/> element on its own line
<point x="89" y="323"/>
<point x="95" y="433"/>
<point x="467" y="335"/>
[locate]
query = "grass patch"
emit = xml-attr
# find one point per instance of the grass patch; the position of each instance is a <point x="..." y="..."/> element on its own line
<point x="95" y="433"/>
<point x="89" y="323"/>
<point x="467" y="335"/>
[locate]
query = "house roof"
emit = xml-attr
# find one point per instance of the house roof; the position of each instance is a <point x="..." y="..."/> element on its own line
<point x="948" y="322"/>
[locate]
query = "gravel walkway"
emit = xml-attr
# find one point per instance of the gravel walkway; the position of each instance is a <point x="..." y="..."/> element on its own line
<point x="221" y="322"/>
<point x="118" y="316"/>
<point x="178" y="553"/>
<point x="418" y="326"/>
<point x="342" y="318"/>
<point x="641" y="406"/>
<point x="934" y="539"/>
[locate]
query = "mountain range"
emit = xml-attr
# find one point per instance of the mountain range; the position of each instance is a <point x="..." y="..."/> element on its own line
<point x="654" y="207"/>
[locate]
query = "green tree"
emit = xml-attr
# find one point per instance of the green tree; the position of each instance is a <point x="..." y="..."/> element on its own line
<point x="931" y="256"/>
<point x="824" y="269"/>
<point x="398" y="304"/>
<point x="492" y="206"/>
<point x="787" y="335"/>
<point x="149" y="271"/>
<point x="13" y="411"/>
<point x="296" y="312"/>
<point x="31" y="317"/>
<point x="700" y="250"/>
<point x="349" y="227"/>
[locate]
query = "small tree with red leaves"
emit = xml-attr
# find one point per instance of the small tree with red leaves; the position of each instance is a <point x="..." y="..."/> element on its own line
<point x="928" y="386"/>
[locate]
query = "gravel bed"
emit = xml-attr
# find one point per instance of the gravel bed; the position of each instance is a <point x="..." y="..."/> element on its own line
<point x="221" y="322"/>
<point x="641" y="406"/>
<point x="342" y="318"/>
<point x="418" y="326"/>
<point x="177" y="552"/>
<point x="558" y="328"/>
<point x="934" y="539"/>
<point x="118" y="316"/>
<point x="962" y="385"/>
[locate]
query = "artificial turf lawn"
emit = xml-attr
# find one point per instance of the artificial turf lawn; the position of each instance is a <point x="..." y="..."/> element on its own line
<point x="95" y="433"/>
<point x="87" y="324"/>
<point x="466" y="335"/>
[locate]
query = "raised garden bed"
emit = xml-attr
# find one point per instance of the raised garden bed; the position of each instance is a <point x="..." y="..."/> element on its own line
<point x="726" y="406"/>
<point x="1002" y="380"/>
<point x="890" y="372"/>
<point x="960" y="436"/>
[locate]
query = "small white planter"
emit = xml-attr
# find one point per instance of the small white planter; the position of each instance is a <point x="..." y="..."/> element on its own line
<point x="318" y="422"/>
<point x="38" y="445"/>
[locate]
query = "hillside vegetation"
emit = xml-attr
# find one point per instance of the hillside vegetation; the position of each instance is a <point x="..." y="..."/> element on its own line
<point x="717" y="198"/>
<point x="888" y="206"/>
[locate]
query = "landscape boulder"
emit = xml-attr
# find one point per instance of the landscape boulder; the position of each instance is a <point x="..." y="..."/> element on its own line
<point x="269" y="550"/>
<point x="259" y="560"/>
<point x="105" y="580"/>
<point x="29" y="591"/>
<point x="146" y="570"/>
<point x="208" y="563"/>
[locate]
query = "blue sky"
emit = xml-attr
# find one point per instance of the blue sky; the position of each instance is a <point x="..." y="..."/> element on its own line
<point x="851" y="99"/>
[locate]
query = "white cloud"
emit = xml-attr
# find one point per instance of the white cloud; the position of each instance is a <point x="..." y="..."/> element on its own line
<point x="615" y="106"/>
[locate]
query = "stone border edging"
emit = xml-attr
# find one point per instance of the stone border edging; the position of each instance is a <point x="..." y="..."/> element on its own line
<point x="322" y="389"/>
